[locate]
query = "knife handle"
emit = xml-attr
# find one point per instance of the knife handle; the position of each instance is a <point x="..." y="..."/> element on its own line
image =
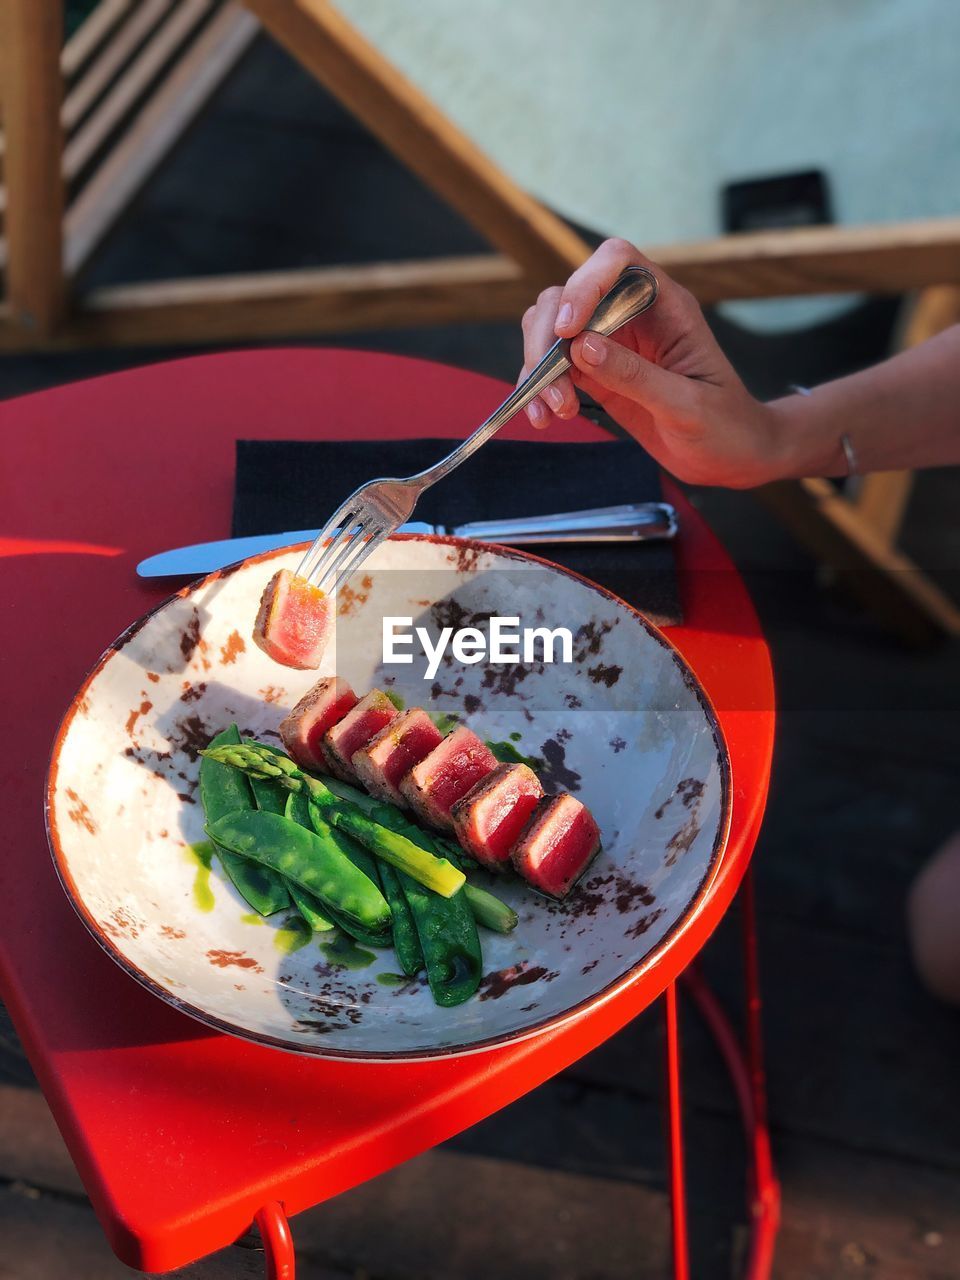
<point x="642" y="521"/>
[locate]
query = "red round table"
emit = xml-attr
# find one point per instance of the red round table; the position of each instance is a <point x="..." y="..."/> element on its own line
<point x="177" y="1165"/>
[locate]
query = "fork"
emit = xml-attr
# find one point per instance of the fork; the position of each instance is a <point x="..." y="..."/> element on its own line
<point x="379" y="507"/>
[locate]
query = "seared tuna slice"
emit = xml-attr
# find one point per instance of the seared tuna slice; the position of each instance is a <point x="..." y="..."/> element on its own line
<point x="317" y="711"/>
<point x="393" y="752"/>
<point x="558" y="844"/>
<point x="294" y="621"/>
<point x="490" y="817"/>
<point x="358" y="726"/>
<point x="443" y="777"/>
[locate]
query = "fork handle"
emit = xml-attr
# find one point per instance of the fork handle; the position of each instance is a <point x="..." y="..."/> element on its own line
<point x="631" y="294"/>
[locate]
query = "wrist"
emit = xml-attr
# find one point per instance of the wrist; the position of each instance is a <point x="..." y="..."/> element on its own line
<point x="775" y="434"/>
<point x="804" y="440"/>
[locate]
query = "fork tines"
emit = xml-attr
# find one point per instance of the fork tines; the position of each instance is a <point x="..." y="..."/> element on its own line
<point x="350" y="534"/>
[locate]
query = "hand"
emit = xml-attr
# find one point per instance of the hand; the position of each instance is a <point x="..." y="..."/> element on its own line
<point x="662" y="377"/>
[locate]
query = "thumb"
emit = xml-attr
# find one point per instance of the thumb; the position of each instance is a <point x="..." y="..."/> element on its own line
<point x="623" y="373"/>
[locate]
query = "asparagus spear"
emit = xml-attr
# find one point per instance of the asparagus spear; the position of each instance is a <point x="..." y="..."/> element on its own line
<point x="488" y="910"/>
<point x="261" y="762"/>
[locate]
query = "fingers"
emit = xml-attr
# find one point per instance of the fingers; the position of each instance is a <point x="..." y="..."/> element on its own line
<point x="589" y="283"/>
<point x="621" y="372"/>
<point x="560" y="397"/>
<point x="565" y="311"/>
<point x="657" y="331"/>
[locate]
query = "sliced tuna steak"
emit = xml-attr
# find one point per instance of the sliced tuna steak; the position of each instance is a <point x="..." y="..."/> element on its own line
<point x="489" y="818"/>
<point x="560" y="841"/>
<point x="294" y="621"/>
<point x="385" y="759"/>
<point x="358" y="726"/>
<point x="317" y="711"/>
<point x="443" y="777"/>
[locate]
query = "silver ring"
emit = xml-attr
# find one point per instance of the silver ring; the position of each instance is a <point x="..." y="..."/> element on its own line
<point x="849" y="454"/>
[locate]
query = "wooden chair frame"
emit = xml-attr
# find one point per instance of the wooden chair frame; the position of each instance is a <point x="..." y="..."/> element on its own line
<point x="109" y="105"/>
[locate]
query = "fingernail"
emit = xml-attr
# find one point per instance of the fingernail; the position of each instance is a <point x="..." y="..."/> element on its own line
<point x="564" y="316"/>
<point x="537" y="414"/>
<point x="554" y="398"/>
<point x="593" y="349"/>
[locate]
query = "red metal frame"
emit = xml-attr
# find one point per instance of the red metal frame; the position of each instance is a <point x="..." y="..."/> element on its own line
<point x="675" y="1152"/>
<point x="745" y="1067"/>
<point x="277" y="1241"/>
<point x="181" y="1135"/>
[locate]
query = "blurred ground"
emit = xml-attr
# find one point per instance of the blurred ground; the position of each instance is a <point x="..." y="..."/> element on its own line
<point x="569" y="1182"/>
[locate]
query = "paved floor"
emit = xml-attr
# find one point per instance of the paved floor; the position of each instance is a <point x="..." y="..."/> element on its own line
<point x="569" y="1181"/>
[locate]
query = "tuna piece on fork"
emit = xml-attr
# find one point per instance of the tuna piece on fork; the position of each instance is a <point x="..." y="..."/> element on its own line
<point x="294" y="621"/>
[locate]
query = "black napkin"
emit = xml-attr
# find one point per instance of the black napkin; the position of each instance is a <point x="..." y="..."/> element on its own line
<point x="295" y="484"/>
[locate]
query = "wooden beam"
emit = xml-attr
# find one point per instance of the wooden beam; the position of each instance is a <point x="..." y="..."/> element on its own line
<point x="886" y="582"/>
<point x="158" y="127"/>
<point x="889" y="258"/>
<point x="113" y="58"/>
<point x="882" y="500"/>
<point x="931" y="311"/>
<point x="91" y="34"/>
<point x="32" y="34"/>
<point x="422" y="137"/>
<point x="291" y="303"/>
<point x="167" y="37"/>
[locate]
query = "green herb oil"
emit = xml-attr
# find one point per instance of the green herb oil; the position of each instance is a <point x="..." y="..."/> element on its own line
<point x="201" y="853"/>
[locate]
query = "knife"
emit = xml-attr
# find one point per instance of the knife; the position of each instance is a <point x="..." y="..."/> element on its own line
<point x="634" y="522"/>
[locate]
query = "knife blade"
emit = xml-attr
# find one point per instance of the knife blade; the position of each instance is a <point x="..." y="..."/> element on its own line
<point x="643" y="521"/>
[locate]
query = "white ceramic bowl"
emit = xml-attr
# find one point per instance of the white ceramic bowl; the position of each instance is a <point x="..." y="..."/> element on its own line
<point x="625" y="725"/>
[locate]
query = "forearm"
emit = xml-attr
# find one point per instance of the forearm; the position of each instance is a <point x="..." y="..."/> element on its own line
<point x="904" y="413"/>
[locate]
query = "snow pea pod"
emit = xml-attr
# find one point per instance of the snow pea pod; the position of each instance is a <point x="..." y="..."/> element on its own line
<point x="272" y="798"/>
<point x="300" y="810"/>
<point x="317" y="864"/>
<point x="269" y="797"/>
<point x="223" y="790"/>
<point x="310" y="908"/>
<point x="445" y="926"/>
<point x="449" y="940"/>
<point x="406" y="940"/>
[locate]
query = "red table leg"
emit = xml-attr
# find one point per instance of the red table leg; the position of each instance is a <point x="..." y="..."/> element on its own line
<point x="277" y="1242"/>
<point x="678" y="1196"/>
<point x="746" y="1070"/>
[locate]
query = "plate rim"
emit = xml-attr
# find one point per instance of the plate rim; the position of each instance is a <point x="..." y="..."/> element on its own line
<point x="546" y="1024"/>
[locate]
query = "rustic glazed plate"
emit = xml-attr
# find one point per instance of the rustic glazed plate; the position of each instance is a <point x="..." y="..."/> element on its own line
<point x="625" y="725"/>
